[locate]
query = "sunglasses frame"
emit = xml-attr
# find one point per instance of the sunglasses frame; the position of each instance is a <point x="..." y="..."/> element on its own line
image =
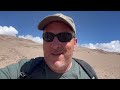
<point x="72" y="35"/>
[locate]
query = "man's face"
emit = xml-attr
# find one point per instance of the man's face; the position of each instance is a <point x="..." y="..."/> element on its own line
<point x="58" y="55"/>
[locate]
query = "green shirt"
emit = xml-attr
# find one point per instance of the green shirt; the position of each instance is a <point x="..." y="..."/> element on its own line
<point x="11" y="71"/>
<point x="75" y="72"/>
<point x="43" y="72"/>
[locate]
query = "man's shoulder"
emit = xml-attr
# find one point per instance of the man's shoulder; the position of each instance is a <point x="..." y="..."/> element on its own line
<point x="31" y="62"/>
<point x="13" y="71"/>
<point x="87" y="68"/>
<point x="29" y="67"/>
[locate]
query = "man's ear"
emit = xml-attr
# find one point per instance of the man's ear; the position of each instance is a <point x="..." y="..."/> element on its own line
<point x="75" y="43"/>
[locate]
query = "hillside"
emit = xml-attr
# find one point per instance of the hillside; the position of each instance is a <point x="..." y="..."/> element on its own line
<point x="13" y="49"/>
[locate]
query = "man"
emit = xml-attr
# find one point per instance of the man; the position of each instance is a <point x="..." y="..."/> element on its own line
<point x="59" y="43"/>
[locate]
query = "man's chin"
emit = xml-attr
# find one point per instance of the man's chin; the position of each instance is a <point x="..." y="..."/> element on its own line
<point x="58" y="64"/>
<point x="58" y="61"/>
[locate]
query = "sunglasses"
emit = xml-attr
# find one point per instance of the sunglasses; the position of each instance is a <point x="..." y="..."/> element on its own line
<point x="62" y="37"/>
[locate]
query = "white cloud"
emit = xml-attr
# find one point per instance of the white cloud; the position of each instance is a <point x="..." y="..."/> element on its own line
<point x="8" y="30"/>
<point x="13" y="32"/>
<point x="30" y="37"/>
<point x="113" y="46"/>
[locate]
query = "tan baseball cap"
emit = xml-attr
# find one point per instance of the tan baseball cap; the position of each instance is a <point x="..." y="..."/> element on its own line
<point x="57" y="17"/>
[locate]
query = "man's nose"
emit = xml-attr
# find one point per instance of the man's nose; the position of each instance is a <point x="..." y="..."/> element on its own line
<point x="55" y="43"/>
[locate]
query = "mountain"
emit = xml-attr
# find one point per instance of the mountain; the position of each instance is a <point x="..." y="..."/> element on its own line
<point x="14" y="49"/>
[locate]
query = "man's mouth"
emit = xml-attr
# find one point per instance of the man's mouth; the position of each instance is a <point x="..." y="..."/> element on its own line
<point x="56" y="54"/>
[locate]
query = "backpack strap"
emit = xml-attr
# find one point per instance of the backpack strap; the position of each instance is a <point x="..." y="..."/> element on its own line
<point x="87" y="68"/>
<point x="29" y="67"/>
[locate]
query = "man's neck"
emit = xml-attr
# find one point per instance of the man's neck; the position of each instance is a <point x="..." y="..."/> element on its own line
<point x="64" y="70"/>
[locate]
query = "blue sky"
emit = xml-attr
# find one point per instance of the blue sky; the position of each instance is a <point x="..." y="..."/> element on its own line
<point x="92" y="26"/>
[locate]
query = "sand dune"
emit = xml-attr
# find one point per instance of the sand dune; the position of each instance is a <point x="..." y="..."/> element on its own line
<point x="13" y="49"/>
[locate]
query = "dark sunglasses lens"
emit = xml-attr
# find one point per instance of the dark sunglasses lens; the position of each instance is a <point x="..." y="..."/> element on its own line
<point x="64" y="37"/>
<point x="48" y="37"/>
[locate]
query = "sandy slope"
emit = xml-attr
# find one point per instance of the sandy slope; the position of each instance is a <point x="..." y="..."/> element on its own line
<point x="106" y="65"/>
<point x="12" y="49"/>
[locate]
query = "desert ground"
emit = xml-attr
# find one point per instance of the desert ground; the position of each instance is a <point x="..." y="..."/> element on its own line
<point x="13" y="49"/>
